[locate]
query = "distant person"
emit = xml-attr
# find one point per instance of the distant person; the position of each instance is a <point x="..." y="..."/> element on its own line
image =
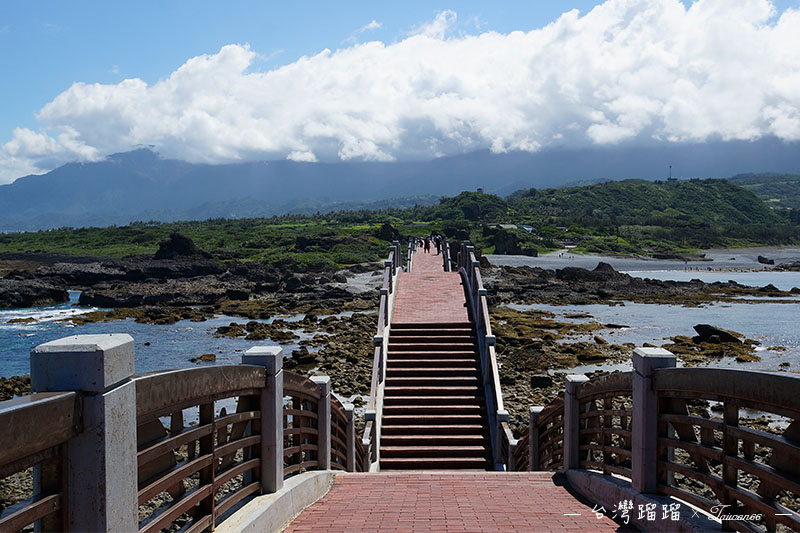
<point x="427" y="245"/>
<point x="438" y="242"/>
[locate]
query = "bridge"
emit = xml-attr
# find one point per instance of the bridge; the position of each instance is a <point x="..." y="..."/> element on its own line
<point x="255" y="447"/>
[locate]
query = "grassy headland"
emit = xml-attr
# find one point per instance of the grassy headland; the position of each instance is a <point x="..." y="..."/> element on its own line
<point x="627" y="217"/>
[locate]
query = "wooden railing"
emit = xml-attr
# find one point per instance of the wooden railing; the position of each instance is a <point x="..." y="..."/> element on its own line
<point x="370" y="440"/>
<point x="742" y="466"/>
<point x="728" y="460"/>
<point x="548" y="437"/>
<point x="503" y="441"/>
<point x="35" y="431"/>
<point x="180" y="449"/>
<point x="207" y="467"/>
<point x="605" y="412"/>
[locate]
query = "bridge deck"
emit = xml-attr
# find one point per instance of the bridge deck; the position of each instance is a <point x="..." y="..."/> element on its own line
<point x="428" y="294"/>
<point x="442" y="501"/>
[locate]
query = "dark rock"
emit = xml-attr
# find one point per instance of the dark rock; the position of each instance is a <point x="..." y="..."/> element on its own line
<point x="177" y="245"/>
<point x="31" y="292"/>
<point x="705" y="332"/>
<point x="387" y="232"/>
<point x="541" y="380"/>
<point x="205" y="358"/>
<point x="765" y="261"/>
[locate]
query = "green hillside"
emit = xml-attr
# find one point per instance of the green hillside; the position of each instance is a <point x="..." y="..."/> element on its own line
<point x="633" y="216"/>
<point x="777" y="190"/>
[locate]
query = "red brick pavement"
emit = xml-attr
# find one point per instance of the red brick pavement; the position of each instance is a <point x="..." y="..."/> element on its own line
<point x="440" y="501"/>
<point x="428" y="293"/>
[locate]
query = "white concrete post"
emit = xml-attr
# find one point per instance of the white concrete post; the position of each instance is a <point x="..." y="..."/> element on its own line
<point x="500" y="417"/>
<point x="371" y="442"/>
<point x="351" y="437"/>
<point x="271" y="405"/>
<point x="533" y="438"/>
<point x="644" y="423"/>
<point x="324" y="422"/>
<point x="101" y="461"/>
<point x="571" y="421"/>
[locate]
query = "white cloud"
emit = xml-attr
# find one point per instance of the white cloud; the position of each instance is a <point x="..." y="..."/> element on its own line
<point x="628" y="71"/>
<point x="371" y="26"/>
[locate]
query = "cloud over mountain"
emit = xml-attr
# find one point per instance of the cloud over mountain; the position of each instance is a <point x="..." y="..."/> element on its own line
<point x="629" y="70"/>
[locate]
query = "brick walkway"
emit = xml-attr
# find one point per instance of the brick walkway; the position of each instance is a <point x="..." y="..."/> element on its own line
<point x="463" y="502"/>
<point x="429" y="294"/>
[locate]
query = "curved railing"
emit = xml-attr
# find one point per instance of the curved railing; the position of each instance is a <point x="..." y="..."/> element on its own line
<point x="301" y="424"/>
<point x="605" y="412"/>
<point x="207" y="460"/>
<point x="374" y="411"/>
<point x="35" y="433"/>
<point x="503" y="442"/>
<point x="744" y="465"/>
<point x="549" y="437"/>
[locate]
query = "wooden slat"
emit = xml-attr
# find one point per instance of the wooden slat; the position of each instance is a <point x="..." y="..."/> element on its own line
<point x="291" y="469"/>
<point x="39" y="421"/>
<point x="171" y="476"/>
<point x="199" y="524"/>
<point x="177" y="508"/>
<point x="769" y="508"/>
<point x="708" y="423"/>
<point x="766" y="473"/>
<point x="156" y="392"/>
<point x="21" y="515"/>
<point x="24" y="463"/>
<point x="235" y="497"/>
<point x="236" y="469"/>
<point x="236" y="418"/>
<point x="705" y="451"/>
<point x="607" y="430"/>
<point x="300" y="413"/>
<point x="786" y="449"/>
<point x="605" y="412"/>
<point x="610" y="449"/>
<point x="171" y="443"/>
<point x="237" y="444"/>
<point x="713" y="481"/>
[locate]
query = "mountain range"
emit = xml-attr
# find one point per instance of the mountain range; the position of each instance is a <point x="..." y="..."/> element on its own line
<point x="140" y="185"/>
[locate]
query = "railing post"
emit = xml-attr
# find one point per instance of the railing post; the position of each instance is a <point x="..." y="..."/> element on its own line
<point x="644" y="422"/>
<point x="101" y="461"/>
<point x="398" y="256"/>
<point x="500" y="417"/>
<point x="351" y="437"/>
<point x="370" y="441"/>
<point x="271" y="406"/>
<point x="571" y="421"/>
<point x="533" y="437"/>
<point x="323" y="422"/>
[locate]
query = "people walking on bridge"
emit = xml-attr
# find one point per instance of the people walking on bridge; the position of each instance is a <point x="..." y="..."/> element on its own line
<point x="428" y="244"/>
<point x="437" y="240"/>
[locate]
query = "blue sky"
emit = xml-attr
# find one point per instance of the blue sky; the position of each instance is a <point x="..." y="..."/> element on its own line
<point x="67" y="61"/>
<point x="47" y="46"/>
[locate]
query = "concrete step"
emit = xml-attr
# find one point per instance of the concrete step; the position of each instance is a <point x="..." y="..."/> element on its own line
<point x="444" y="332"/>
<point x="391" y="355"/>
<point x="431" y="325"/>
<point x="427" y="400"/>
<point x="425" y="347"/>
<point x="432" y="371"/>
<point x="433" y="429"/>
<point x="434" y="440"/>
<point x="434" y="420"/>
<point x="424" y="363"/>
<point x="433" y="381"/>
<point x="431" y="390"/>
<point x="431" y="339"/>
<point x="448" y="410"/>
<point x="433" y="451"/>
<point x="435" y="463"/>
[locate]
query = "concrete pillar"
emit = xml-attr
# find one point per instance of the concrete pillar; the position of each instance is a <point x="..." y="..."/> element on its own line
<point x="101" y="461"/>
<point x="644" y="423"/>
<point x="500" y="417"/>
<point x="324" y="422"/>
<point x="571" y="421"/>
<point x="351" y="437"/>
<point x="271" y="405"/>
<point x="533" y="438"/>
<point x="370" y="441"/>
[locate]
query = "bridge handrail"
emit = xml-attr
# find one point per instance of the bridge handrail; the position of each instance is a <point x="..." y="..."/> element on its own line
<point x="773" y="393"/>
<point x="36" y="430"/>
<point x="503" y="442"/>
<point x="687" y="442"/>
<point x="370" y="440"/>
